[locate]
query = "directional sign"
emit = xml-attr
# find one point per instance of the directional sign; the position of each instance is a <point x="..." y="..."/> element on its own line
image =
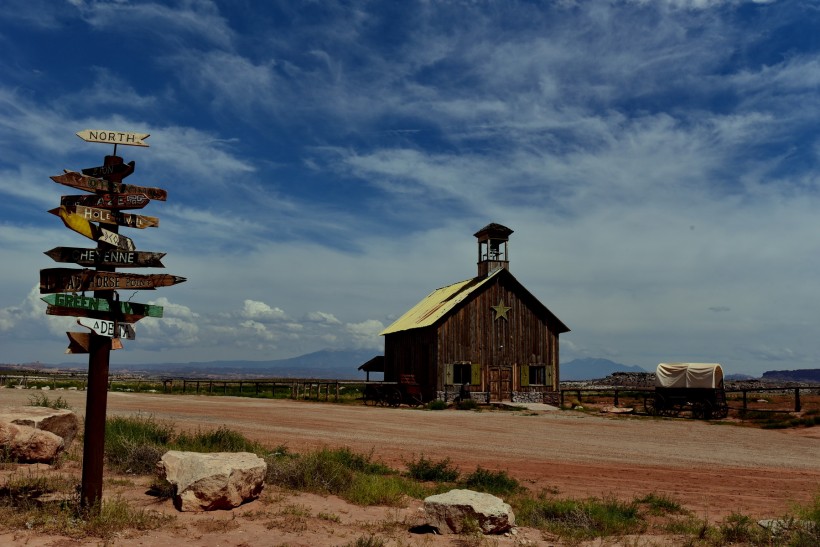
<point x="92" y="231"/>
<point x="116" y="258"/>
<point x="93" y="184"/>
<point x="80" y="342"/>
<point x="78" y="302"/>
<point x="107" y="201"/>
<point x="113" y="137"/>
<point x="120" y="170"/>
<point x="54" y="280"/>
<point x="106" y="315"/>
<point x="105" y="216"/>
<point x="110" y="329"/>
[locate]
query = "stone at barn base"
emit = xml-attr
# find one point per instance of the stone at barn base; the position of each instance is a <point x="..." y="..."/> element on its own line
<point x="457" y="511"/>
<point x="25" y="444"/>
<point x="219" y="480"/>
<point x="60" y="421"/>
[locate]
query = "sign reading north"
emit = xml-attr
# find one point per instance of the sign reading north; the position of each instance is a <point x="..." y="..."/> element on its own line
<point x="117" y="258"/>
<point x="113" y="137"/>
<point x="110" y="329"/>
<point x="54" y="280"/>
<point x="93" y="184"/>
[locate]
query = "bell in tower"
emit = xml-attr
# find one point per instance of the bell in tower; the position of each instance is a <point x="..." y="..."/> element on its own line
<point x="492" y="248"/>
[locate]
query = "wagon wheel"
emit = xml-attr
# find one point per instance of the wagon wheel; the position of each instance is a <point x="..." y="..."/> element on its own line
<point x="650" y="406"/>
<point x="702" y="410"/>
<point x="414" y="399"/>
<point x="721" y="411"/>
<point x="393" y="397"/>
<point x="369" y="397"/>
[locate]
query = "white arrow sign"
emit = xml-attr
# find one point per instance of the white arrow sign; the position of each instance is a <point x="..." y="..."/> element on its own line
<point x="104" y="327"/>
<point x="113" y="137"/>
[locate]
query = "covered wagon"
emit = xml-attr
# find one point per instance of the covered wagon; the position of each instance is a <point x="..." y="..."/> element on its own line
<point x="694" y="387"/>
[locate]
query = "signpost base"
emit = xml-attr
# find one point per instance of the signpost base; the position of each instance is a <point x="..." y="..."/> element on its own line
<point x="95" y="408"/>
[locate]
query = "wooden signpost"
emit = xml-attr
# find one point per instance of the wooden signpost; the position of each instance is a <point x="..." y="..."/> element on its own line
<point x="108" y="201"/>
<point x="93" y="184"/>
<point x="54" y="280"/>
<point x="114" y="258"/>
<point x="77" y="302"/>
<point x="109" y="318"/>
<point x="111" y="329"/>
<point x="105" y="216"/>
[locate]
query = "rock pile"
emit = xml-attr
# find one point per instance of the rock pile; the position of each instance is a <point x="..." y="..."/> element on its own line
<point x="33" y="434"/>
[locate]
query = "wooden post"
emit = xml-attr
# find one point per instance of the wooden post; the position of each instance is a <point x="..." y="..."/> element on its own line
<point x="744" y="400"/>
<point x="616" y="398"/>
<point x="96" y="403"/>
<point x="797" y="406"/>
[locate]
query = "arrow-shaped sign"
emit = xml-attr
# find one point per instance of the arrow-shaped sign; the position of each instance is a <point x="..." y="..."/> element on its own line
<point x="108" y="328"/>
<point x="120" y="170"/>
<point x="105" y="216"/>
<point x="113" y="137"/>
<point x="80" y="342"/>
<point x="76" y="301"/>
<point x="116" y="258"/>
<point x="108" y="316"/>
<point x="107" y="201"/>
<point x="92" y="231"/>
<point x="53" y="280"/>
<point x="93" y="184"/>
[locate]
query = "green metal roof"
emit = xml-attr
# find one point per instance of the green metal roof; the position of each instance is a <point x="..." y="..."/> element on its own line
<point x="438" y="304"/>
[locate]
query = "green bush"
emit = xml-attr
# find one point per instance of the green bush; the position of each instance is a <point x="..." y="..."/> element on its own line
<point x="492" y="482"/>
<point x="41" y="399"/>
<point x="424" y="469"/>
<point x="660" y="504"/>
<point x="581" y="519"/>
<point x="134" y="444"/>
<point x="467" y="404"/>
<point x="216" y="440"/>
<point x="437" y="404"/>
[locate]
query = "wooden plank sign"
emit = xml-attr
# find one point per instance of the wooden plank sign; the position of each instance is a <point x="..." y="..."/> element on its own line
<point x="93" y="184"/>
<point x="115" y="258"/>
<point x="79" y="342"/>
<point x="78" y="302"/>
<point x="54" y="280"/>
<point x="105" y="216"/>
<point x="110" y="329"/>
<point x="107" y="201"/>
<point x="108" y="316"/>
<point x="92" y="231"/>
<point x="120" y="170"/>
<point x="113" y="137"/>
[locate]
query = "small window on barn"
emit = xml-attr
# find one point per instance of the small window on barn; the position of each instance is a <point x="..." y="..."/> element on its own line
<point x="537" y="375"/>
<point x="463" y="373"/>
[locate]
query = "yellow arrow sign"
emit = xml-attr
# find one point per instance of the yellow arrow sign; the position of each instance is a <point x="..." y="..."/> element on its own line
<point x="113" y="137"/>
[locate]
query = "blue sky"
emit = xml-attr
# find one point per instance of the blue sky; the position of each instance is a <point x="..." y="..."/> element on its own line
<point x="328" y="162"/>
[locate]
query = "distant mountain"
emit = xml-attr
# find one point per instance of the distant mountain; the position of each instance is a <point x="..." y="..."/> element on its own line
<point x="327" y="364"/>
<point x="590" y="368"/>
<point x="807" y="375"/>
<point x="739" y="377"/>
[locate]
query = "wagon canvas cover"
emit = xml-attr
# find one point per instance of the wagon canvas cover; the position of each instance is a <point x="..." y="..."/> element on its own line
<point x="697" y="375"/>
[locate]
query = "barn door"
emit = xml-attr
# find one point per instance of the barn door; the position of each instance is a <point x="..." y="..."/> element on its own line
<point x="500" y="383"/>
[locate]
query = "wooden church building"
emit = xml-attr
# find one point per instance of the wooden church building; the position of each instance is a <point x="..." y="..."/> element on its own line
<point x="487" y="335"/>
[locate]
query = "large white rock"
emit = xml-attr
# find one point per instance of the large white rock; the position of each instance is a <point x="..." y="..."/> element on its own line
<point x="454" y="510"/>
<point x="219" y="480"/>
<point x="28" y="445"/>
<point x="60" y="421"/>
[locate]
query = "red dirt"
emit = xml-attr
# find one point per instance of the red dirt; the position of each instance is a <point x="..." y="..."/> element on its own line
<point x="713" y="470"/>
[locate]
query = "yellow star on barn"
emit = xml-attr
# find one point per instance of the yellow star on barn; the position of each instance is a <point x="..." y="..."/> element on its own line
<point x="501" y="310"/>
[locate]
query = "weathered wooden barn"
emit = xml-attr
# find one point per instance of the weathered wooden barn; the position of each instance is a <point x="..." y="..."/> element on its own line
<point x="487" y="335"/>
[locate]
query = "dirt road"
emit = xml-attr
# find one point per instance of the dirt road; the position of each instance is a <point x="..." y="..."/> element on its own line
<point x="711" y="469"/>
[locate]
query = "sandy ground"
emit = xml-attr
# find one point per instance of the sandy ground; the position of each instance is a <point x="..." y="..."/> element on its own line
<point x="711" y="469"/>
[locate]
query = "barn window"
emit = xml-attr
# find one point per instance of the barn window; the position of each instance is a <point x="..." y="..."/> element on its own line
<point x="463" y="373"/>
<point x="535" y="375"/>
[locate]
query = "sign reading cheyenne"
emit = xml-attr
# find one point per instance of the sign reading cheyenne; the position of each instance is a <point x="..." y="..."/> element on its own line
<point x="117" y="258"/>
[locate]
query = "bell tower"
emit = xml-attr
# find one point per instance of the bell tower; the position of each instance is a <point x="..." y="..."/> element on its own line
<point x="493" y="252"/>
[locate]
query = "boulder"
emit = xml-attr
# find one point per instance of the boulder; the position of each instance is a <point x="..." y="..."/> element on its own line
<point x="29" y="445"/>
<point x="60" y="421"/>
<point x="219" y="480"/>
<point x="459" y="510"/>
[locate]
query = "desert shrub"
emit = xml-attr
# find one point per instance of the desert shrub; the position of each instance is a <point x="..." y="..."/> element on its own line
<point x="737" y="528"/>
<point x="581" y="519"/>
<point x="41" y="399"/>
<point x="424" y="469"/>
<point x="387" y="490"/>
<point x="492" y="482"/>
<point x="367" y="541"/>
<point x="467" y="404"/>
<point x="322" y="471"/>
<point x="134" y="444"/>
<point x="216" y="440"/>
<point x="660" y="504"/>
<point x="437" y="404"/>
